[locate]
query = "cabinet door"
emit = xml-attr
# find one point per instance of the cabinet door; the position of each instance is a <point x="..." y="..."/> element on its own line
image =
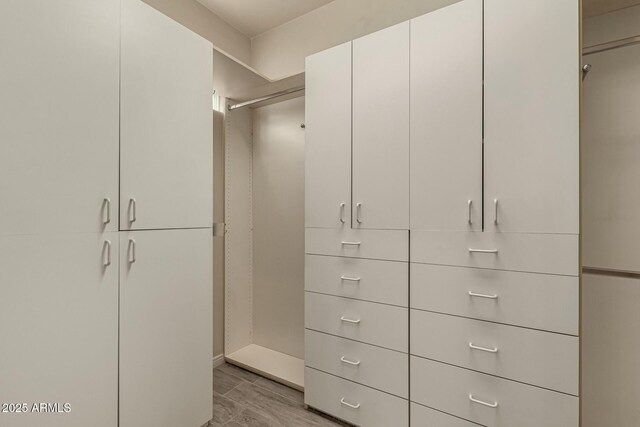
<point x="59" y="115"/>
<point x="381" y="129"/>
<point x="446" y="118"/>
<point x="166" y="322"/>
<point x="532" y="84"/>
<point x="328" y="138"/>
<point x="166" y="123"/>
<point x="59" y="329"/>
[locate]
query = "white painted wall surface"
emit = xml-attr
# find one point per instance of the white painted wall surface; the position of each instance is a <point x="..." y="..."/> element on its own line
<point x="278" y="227"/>
<point x="281" y="51"/>
<point x="201" y="20"/>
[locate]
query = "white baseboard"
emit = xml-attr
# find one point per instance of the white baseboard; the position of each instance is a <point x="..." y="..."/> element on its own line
<point x="218" y="360"/>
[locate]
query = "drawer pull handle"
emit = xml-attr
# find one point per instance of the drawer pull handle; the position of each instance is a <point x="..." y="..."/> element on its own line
<point x="349" y="362"/>
<point x="473" y="294"/>
<point x="481" y="402"/>
<point x="350" y="279"/>
<point x="347" y="320"/>
<point x="350" y="405"/>
<point x="482" y="251"/>
<point x="350" y="243"/>
<point x="488" y="350"/>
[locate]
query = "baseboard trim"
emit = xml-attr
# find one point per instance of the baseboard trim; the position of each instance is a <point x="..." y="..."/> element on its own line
<point x="218" y="360"/>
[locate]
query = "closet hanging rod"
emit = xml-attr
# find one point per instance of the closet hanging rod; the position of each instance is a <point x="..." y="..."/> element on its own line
<point x="265" y="98"/>
<point x="629" y="41"/>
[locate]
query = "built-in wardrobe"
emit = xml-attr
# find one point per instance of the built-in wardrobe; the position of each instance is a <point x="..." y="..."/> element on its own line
<point x="442" y="220"/>
<point x="264" y="222"/>
<point x="105" y="216"/>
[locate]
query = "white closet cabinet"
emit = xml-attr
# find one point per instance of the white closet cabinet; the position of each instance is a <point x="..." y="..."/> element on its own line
<point x="166" y="132"/>
<point x="59" y="109"/>
<point x="166" y="328"/>
<point x="446" y="118"/>
<point x="381" y="129"/>
<point x="59" y="328"/>
<point x="532" y="84"/>
<point x="328" y="138"/>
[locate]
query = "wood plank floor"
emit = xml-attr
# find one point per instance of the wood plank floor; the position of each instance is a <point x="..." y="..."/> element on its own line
<point x="244" y="399"/>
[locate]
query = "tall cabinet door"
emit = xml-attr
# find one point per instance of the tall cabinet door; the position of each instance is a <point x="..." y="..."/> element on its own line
<point x="532" y="83"/>
<point x="381" y="129"/>
<point x="166" y="327"/>
<point x="446" y="118"/>
<point x="166" y="123"/>
<point x="59" y="115"/>
<point x="328" y="138"/>
<point x="59" y="329"/>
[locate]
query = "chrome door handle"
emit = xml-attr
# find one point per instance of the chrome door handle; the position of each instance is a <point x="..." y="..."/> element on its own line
<point x="495" y="211"/>
<point x="469" y="202"/>
<point x="473" y="294"/>
<point x="488" y="350"/>
<point x="358" y="213"/>
<point x="483" y="251"/>
<point x="349" y="362"/>
<point x="342" y="212"/>
<point x="350" y="243"/>
<point x="133" y="215"/>
<point x="132" y="250"/>
<point x="106" y="253"/>
<point x="347" y="320"/>
<point x="350" y="405"/>
<point x="350" y="279"/>
<point x="481" y="402"/>
<point x="106" y="209"/>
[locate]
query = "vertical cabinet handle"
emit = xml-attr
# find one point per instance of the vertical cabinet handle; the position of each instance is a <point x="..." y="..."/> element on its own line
<point x="132" y="251"/>
<point x="358" y="213"/>
<point x="106" y="210"/>
<point x="133" y="215"/>
<point x="350" y="405"/>
<point x="106" y="253"/>
<point x="342" y="212"/>
<point x="495" y="211"/>
<point x="469" y="202"/>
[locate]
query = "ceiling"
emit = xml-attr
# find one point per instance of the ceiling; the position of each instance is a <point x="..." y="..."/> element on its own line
<point x="253" y="17"/>
<point x="598" y="7"/>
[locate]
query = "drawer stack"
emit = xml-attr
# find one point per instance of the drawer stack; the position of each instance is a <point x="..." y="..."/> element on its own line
<point x="494" y="329"/>
<point x="356" y="319"/>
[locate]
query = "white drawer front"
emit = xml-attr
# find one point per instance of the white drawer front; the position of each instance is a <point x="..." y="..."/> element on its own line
<point x="376" y="367"/>
<point x="370" y="280"/>
<point x="539" y="253"/>
<point x="421" y="416"/>
<point x="355" y="403"/>
<point x="539" y="301"/>
<point x="378" y="324"/>
<point x="544" y="359"/>
<point x="450" y="389"/>
<point x="391" y="245"/>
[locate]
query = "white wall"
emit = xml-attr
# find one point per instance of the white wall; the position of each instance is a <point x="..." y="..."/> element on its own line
<point x="201" y="20"/>
<point x="280" y="52"/>
<point x="278" y="227"/>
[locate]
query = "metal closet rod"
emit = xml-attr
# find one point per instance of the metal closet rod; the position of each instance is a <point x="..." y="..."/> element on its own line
<point x="629" y="41"/>
<point x="265" y="98"/>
